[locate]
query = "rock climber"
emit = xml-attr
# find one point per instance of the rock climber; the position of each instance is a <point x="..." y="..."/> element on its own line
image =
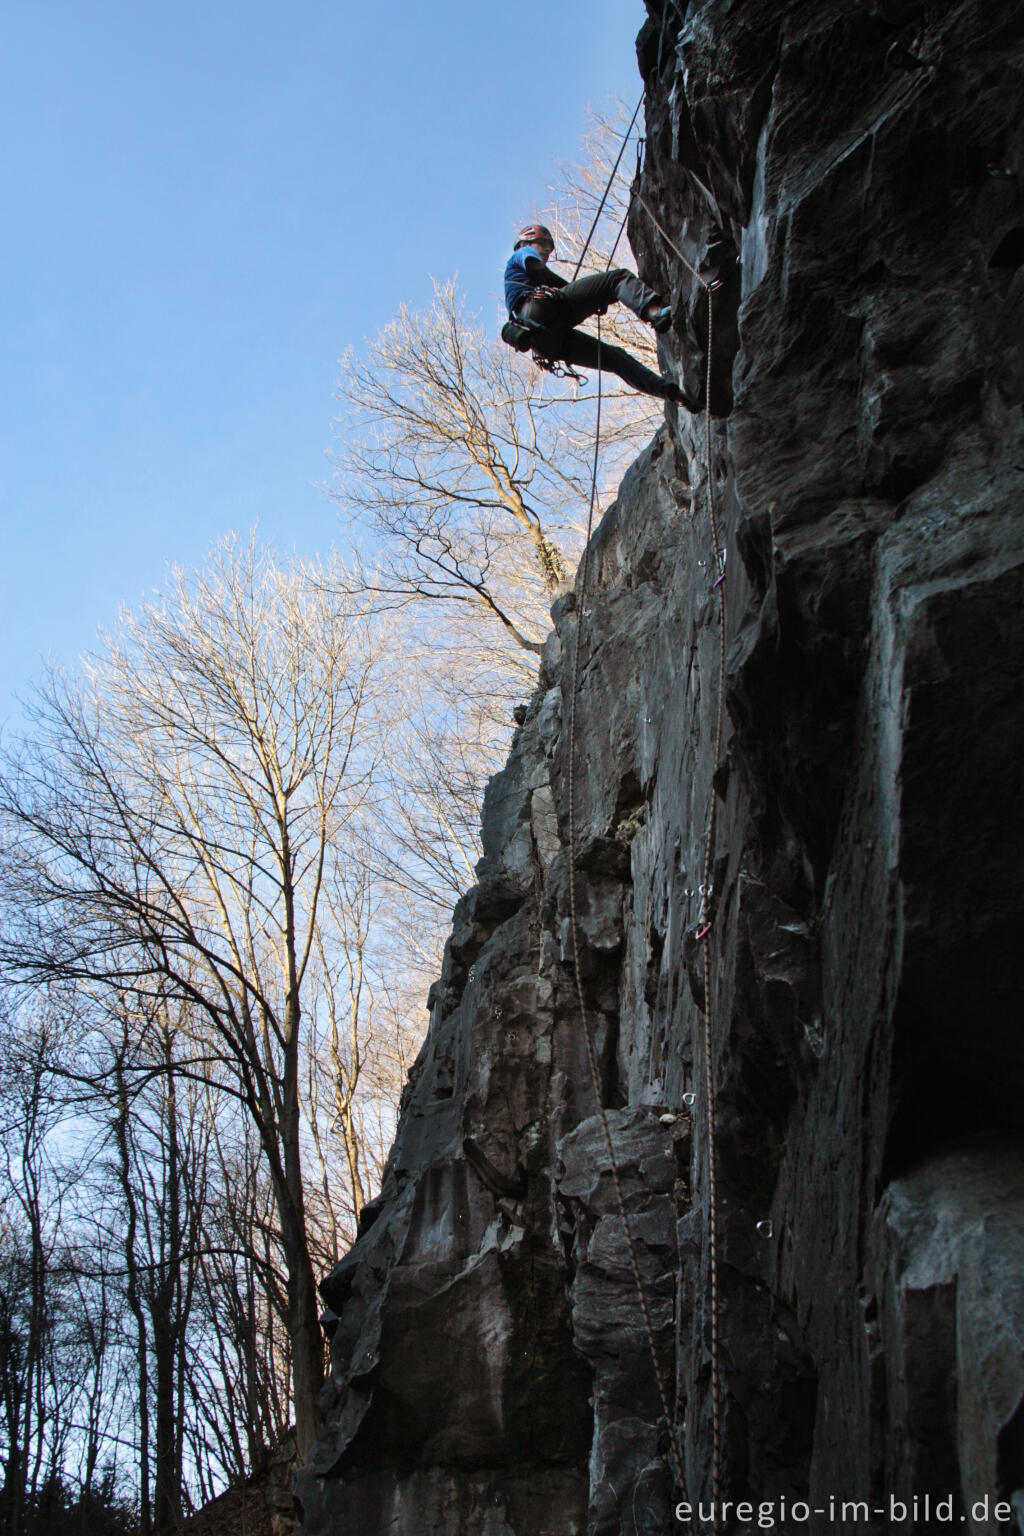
<point x="544" y="311"/>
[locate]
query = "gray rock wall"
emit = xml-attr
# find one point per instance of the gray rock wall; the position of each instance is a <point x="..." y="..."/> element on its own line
<point x="854" y="172"/>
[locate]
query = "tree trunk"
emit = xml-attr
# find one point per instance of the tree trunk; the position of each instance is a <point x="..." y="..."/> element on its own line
<point x="134" y="1298"/>
<point x="303" y="1310"/>
<point x="307" y="1354"/>
<point x="167" y="1323"/>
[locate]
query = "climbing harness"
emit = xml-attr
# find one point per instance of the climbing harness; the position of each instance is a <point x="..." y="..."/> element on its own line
<point x="558" y="369"/>
<point x="706" y="919"/>
<point x="520" y="334"/>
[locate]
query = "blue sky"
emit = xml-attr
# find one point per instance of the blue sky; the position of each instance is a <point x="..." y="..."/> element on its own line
<point x="201" y="207"/>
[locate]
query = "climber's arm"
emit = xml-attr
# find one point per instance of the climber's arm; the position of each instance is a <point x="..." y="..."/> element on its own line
<point x="537" y="271"/>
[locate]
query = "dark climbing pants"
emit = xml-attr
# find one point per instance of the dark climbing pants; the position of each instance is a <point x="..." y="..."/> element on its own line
<point x="559" y="312"/>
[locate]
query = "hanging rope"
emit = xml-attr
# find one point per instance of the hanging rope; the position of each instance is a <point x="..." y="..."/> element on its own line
<point x="675" y="1459"/>
<point x="706" y="919"/>
<point x="564" y="371"/>
<point x="604" y="196"/>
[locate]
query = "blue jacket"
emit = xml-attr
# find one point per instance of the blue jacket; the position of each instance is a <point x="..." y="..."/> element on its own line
<point x="525" y="272"/>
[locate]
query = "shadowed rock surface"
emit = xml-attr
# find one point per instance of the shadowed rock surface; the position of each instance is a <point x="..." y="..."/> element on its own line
<point x="854" y="172"/>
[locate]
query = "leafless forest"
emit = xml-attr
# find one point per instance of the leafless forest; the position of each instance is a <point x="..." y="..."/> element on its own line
<point x="230" y="845"/>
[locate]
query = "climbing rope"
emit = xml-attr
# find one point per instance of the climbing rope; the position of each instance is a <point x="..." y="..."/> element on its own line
<point x="595" y="1074"/>
<point x="558" y="369"/>
<point x="706" y="918"/>
<point x="604" y="195"/>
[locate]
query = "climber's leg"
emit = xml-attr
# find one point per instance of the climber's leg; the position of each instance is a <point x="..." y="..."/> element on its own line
<point x="587" y="295"/>
<point x="581" y="351"/>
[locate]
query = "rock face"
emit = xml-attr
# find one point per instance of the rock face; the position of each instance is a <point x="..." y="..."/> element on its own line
<point x="261" y="1506"/>
<point x="855" y="174"/>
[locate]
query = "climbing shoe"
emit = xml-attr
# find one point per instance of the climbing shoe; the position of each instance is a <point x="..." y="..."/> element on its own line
<point x="661" y="320"/>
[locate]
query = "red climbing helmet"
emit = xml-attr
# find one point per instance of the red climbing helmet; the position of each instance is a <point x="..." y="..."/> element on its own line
<point x="534" y="232"/>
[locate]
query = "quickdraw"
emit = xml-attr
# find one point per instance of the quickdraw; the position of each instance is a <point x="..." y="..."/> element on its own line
<point x="557" y="369"/>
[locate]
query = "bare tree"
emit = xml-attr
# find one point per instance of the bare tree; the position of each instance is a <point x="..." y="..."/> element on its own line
<point x="472" y="472"/>
<point x="170" y="830"/>
<point x="240" y="1381"/>
<point x="466" y="472"/>
<point x="215" y="837"/>
<point x="153" y="1205"/>
<point x="434" y="422"/>
<point x="41" y="1344"/>
<point x="369" y="1021"/>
